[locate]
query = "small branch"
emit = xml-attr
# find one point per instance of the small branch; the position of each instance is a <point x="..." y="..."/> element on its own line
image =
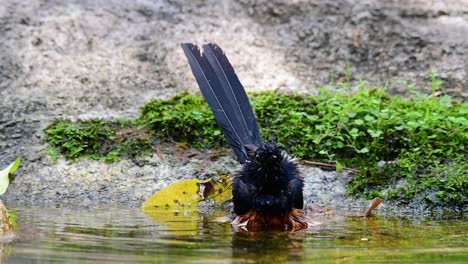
<point x="374" y="205"/>
<point x="321" y="164"/>
<point x="326" y="165"/>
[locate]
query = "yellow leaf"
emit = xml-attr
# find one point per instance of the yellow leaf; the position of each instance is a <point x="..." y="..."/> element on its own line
<point x="221" y="190"/>
<point x="188" y="193"/>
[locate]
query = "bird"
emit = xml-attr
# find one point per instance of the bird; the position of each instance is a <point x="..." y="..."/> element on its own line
<point x="267" y="190"/>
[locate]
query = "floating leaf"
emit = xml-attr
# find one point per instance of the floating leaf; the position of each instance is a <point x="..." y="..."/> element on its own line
<point x="188" y="193"/>
<point x="4" y="180"/>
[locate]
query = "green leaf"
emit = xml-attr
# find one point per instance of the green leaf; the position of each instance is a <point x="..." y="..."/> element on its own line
<point x="339" y="167"/>
<point x="4" y="180"/>
<point x="354" y="133"/>
<point x="323" y="152"/>
<point x="358" y="122"/>
<point x="369" y="118"/>
<point x="374" y="133"/>
<point x="363" y="150"/>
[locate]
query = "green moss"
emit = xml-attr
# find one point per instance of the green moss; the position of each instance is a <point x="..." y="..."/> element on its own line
<point x="96" y="139"/>
<point x="416" y="143"/>
<point x="184" y="118"/>
<point x="76" y="139"/>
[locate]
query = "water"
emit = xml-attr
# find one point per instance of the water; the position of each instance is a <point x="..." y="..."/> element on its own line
<point x="115" y="235"/>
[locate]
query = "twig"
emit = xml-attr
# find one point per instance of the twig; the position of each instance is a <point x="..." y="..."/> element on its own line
<point x="327" y="165"/>
<point x="374" y="204"/>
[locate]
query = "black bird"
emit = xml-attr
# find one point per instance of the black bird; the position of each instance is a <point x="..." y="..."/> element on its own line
<point x="267" y="190"/>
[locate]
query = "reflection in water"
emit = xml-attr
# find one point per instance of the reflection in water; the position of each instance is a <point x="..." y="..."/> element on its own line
<point x="268" y="247"/>
<point x="115" y="235"/>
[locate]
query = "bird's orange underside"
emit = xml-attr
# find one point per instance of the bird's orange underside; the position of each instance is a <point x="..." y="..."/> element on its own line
<point x="291" y="220"/>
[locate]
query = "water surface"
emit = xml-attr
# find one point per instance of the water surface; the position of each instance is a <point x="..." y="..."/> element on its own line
<point x="116" y="235"/>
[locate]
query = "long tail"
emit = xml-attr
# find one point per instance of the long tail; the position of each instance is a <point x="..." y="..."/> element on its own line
<point x="225" y="95"/>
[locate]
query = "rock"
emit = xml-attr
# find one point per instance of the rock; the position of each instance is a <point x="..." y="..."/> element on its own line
<point x="6" y="227"/>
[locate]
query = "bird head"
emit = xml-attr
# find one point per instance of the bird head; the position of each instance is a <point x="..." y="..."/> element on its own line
<point x="266" y="154"/>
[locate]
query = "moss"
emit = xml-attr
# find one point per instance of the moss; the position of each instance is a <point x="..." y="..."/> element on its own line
<point x="96" y="139"/>
<point x="403" y="147"/>
<point x="184" y="118"/>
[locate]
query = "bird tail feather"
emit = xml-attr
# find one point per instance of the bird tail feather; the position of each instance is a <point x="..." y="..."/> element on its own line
<point x="225" y="95"/>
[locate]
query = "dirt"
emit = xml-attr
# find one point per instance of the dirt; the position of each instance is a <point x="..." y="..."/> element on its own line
<point x="105" y="59"/>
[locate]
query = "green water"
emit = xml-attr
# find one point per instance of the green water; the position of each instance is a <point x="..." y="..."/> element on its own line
<point x="113" y="235"/>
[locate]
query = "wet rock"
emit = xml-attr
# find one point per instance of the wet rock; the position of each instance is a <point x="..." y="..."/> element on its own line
<point x="6" y="227"/>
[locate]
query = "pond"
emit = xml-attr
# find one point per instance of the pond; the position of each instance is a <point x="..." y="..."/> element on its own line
<point x="122" y="235"/>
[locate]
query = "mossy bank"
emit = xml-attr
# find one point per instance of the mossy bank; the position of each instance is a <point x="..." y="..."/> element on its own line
<point x="405" y="149"/>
